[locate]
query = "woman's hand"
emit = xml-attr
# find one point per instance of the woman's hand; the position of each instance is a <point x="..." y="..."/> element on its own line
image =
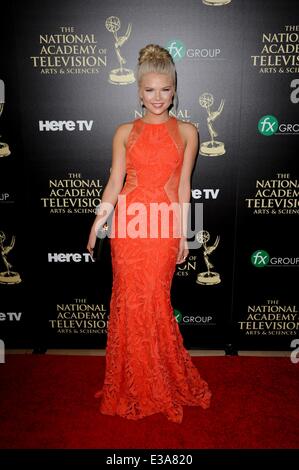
<point x="92" y="240"/>
<point x="183" y="251"/>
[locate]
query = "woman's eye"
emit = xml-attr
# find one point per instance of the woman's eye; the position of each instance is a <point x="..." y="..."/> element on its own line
<point x="164" y="89"/>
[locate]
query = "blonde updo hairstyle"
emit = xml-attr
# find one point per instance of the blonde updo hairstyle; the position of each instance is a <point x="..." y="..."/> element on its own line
<point x="157" y="59"/>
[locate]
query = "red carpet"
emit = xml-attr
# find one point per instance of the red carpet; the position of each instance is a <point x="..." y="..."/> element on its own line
<point x="47" y="402"/>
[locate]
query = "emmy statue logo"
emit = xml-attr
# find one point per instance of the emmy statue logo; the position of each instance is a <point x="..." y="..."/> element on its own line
<point x="4" y="148"/>
<point x="207" y="278"/>
<point x="121" y="75"/>
<point x="216" y="3"/>
<point x="8" y="276"/>
<point x="211" y="148"/>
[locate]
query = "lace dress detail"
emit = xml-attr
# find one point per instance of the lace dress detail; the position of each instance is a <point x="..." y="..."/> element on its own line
<point x="148" y="370"/>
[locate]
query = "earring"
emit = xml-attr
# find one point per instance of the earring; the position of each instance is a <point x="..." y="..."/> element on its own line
<point x="141" y="102"/>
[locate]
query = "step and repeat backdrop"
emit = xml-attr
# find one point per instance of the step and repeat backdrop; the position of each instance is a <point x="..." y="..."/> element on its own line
<point x="67" y="80"/>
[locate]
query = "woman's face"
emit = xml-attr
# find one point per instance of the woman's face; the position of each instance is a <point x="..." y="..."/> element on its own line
<point x="156" y="90"/>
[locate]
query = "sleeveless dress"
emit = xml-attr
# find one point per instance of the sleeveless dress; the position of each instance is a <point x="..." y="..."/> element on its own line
<point x="148" y="370"/>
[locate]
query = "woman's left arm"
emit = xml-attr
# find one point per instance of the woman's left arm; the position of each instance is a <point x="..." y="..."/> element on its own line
<point x="184" y="190"/>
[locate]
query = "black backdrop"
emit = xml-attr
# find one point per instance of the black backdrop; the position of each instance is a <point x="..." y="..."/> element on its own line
<point x="56" y="64"/>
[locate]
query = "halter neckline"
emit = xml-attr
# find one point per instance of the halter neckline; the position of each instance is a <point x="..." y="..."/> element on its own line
<point x="157" y="123"/>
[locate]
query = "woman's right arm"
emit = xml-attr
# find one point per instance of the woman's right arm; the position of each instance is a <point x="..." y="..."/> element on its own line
<point x="114" y="184"/>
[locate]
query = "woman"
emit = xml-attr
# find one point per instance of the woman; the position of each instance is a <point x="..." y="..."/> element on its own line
<point x="148" y="370"/>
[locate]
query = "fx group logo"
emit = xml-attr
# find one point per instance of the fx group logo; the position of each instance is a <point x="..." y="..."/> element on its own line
<point x="260" y="258"/>
<point x="177" y="49"/>
<point x="178" y="315"/>
<point x="268" y="125"/>
<point x="194" y="319"/>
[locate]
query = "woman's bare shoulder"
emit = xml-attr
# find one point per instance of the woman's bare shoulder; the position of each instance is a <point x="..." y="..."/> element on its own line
<point x="188" y="127"/>
<point x="125" y="126"/>
<point x="188" y="131"/>
<point x="123" y="130"/>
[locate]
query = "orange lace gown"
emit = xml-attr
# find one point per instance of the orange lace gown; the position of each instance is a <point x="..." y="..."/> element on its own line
<point x="148" y="370"/>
